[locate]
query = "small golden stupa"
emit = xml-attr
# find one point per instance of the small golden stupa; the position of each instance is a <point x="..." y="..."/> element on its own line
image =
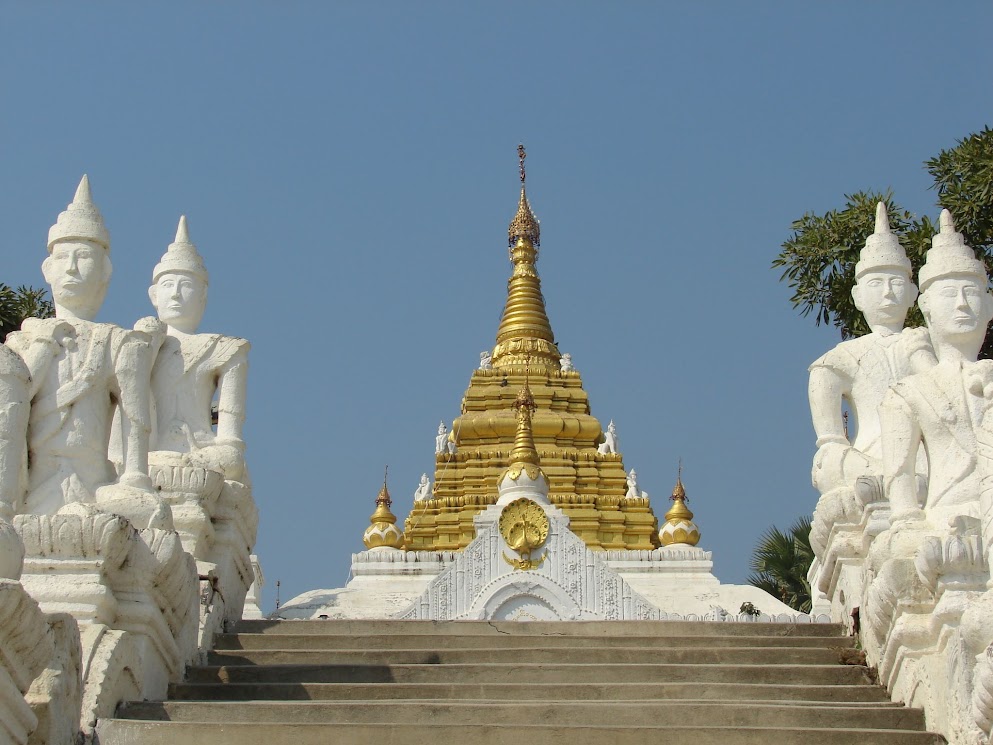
<point x="524" y="456"/>
<point x="383" y="532"/>
<point x="589" y="486"/>
<point x="679" y="527"/>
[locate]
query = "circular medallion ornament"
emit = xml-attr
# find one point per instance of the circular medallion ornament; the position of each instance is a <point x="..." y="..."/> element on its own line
<point x="524" y="526"/>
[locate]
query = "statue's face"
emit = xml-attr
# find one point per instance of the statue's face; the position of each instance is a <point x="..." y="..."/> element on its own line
<point x="179" y="299"/>
<point x="441" y="429"/>
<point x="957" y="306"/>
<point x="78" y="273"/>
<point x="884" y="296"/>
<point x="424" y="479"/>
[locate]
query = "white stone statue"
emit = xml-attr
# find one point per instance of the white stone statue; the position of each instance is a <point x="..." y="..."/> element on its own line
<point x="192" y="369"/>
<point x="423" y="490"/>
<point x="859" y="371"/>
<point x="200" y="467"/>
<point x="610" y="442"/>
<point x="941" y="407"/>
<point x="485" y="360"/>
<point x="442" y="443"/>
<point x="81" y="371"/>
<point x="566" y="363"/>
<point x="633" y="489"/>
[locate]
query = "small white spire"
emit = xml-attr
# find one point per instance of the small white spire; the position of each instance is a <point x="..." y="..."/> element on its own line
<point x="182" y="232"/>
<point x="882" y="219"/>
<point x="945" y="223"/>
<point x="83" y="195"/>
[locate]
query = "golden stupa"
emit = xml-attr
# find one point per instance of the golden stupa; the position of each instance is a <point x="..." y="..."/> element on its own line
<point x="382" y="531"/>
<point x="587" y="485"/>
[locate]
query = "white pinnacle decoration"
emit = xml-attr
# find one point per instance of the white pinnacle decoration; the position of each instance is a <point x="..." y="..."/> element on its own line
<point x="949" y="255"/>
<point x="181" y="256"/>
<point x="81" y="220"/>
<point x="882" y="249"/>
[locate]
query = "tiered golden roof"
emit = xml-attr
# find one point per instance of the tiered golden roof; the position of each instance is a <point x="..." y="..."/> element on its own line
<point x="588" y="486"/>
<point x="382" y="531"/>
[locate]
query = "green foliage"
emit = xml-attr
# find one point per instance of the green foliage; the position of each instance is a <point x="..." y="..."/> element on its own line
<point x="24" y="302"/>
<point x="780" y="563"/>
<point x="818" y="260"/>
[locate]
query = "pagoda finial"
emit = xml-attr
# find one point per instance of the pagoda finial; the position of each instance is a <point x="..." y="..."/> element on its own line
<point x="382" y="531"/>
<point x="679" y="527"/>
<point x="524" y="225"/>
<point x="678" y="491"/>
<point x="524" y="450"/>
<point x="882" y="219"/>
<point x="524" y="328"/>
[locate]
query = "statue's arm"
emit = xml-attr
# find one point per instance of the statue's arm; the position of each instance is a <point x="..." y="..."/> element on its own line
<point x="901" y="439"/>
<point x="826" y="388"/>
<point x="132" y="375"/>
<point x="920" y="352"/>
<point x="231" y="396"/>
<point x="37" y="351"/>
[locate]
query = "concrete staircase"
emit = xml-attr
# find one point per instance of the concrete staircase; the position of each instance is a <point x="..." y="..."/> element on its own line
<point x="504" y="683"/>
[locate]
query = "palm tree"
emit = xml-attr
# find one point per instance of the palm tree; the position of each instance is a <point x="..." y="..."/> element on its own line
<point x="780" y="563"/>
<point x="24" y="302"/>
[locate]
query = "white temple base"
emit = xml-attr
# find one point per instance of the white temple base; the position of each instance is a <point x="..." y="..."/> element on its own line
<point x="678" y="580"/>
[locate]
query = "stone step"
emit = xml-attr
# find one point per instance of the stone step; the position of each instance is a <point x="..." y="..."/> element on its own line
<point x="135" y="732"/>
<point x="560" y="713"/>
<point x="849" y="694"/>
<point x="654" y="629"/>
<point x="590" y="655"/>
<point x="532" y="673"/>
<point x="515" y="641"/>
<point x="719" y="691"/>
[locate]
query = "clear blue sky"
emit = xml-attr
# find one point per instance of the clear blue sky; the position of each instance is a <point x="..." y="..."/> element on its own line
<point x="349" y="171"/>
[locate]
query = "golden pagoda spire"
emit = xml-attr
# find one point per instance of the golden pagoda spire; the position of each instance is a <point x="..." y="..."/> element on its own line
<point x="524" y="450"/>
<point x="524" y="328"/>
<point x="679" y="527"/>
<point x="382" y="531"/>
<point x="524" y="456"/>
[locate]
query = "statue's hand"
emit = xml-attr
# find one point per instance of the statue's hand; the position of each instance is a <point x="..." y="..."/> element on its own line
<point x="837" y="464"/>
<point x="226" y="456"/>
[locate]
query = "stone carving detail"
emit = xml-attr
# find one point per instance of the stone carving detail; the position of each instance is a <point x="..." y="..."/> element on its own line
<point x="39" y="660"/>
<point x="566" y="363"/>
<point x="611" y="443"/>
<point x="480" y="584"/>
<point x="485" y="360"/>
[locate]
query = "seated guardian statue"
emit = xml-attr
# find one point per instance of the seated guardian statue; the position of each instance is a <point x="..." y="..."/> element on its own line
<point x="942" y="407"/>
<point x="191" y="369"/>
<point x="82" y="372"/>
<point x="859" y="371"/>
